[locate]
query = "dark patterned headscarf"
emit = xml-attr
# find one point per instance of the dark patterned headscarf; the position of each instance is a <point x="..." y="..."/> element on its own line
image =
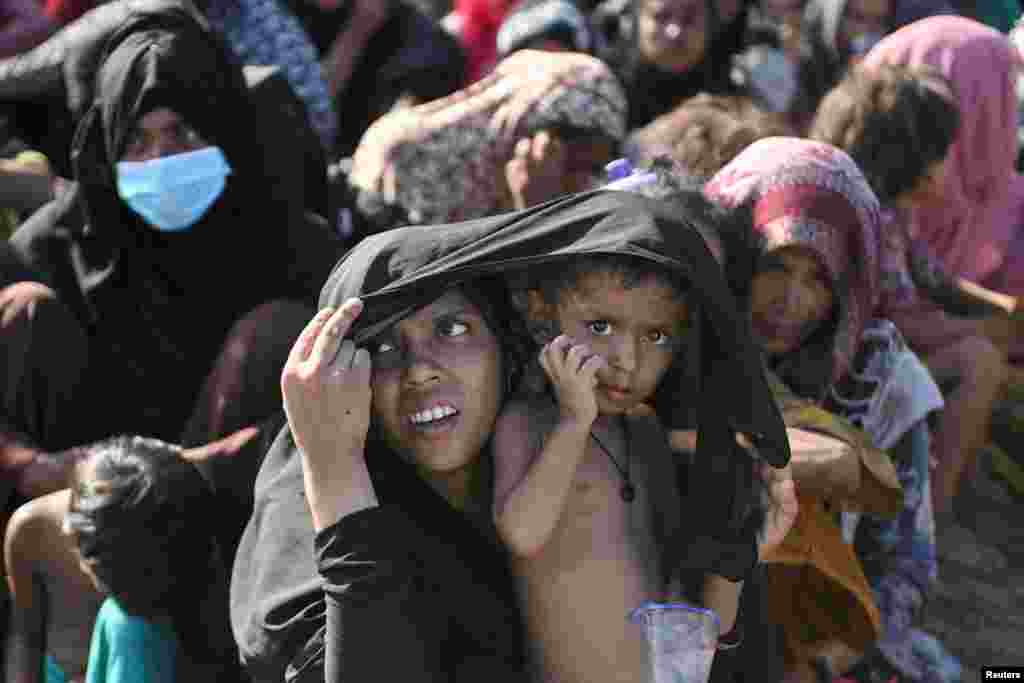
<point x="444" y="161"/>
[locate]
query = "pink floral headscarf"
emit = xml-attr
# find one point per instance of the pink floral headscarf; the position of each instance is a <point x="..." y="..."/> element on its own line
<point x="969" y="231"/>
<point x="812" y="194"/>
<point x="444" y="161"/>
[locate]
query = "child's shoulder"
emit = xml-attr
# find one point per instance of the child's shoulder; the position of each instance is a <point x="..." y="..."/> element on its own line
<point x="530" y="416"/>
<point x="40" y="518"/>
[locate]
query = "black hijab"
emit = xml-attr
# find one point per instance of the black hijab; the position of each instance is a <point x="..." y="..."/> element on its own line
<point x="399" y="271"/>
<point x="159" y="305"/>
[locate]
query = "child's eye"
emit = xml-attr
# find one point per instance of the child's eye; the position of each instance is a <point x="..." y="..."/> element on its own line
<point x="451" y="328"/>
<point x="599" y="327"/>
<point x="659" y="338"/>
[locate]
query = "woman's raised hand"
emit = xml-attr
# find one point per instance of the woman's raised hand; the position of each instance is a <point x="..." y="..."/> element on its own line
<point x="326" y="386"/>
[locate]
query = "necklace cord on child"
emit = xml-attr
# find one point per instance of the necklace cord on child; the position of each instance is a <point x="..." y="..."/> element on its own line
<point x="628" y="490"/>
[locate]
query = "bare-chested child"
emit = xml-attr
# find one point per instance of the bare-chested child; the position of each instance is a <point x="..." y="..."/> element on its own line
<point x="576" y="473"/>
<point x="53" y="602"/>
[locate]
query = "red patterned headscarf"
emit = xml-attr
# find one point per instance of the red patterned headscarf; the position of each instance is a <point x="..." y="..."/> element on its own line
<point x="813" y="195"/>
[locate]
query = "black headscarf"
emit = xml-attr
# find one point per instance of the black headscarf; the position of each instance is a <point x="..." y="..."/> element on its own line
<point x="399" y="271"/>
<point x="160" y="304"/>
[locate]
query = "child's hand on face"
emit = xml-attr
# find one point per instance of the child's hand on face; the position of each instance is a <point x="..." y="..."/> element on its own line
<point x="572" y="369"/>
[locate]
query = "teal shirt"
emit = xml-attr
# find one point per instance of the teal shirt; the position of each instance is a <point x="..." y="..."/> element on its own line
<point x="129" y="649"/>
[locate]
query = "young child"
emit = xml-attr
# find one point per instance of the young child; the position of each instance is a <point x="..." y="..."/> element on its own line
<point x="580" y="474"/>
<point x="139" y="515"/>
<point x="901" y="126"/>
<point x="53" y="602"/>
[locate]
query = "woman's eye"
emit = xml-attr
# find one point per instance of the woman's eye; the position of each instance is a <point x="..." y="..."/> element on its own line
<point x="384" y="347"/>
<point x="452" y="328"/>
<point x="599" y="327"/>
<point x="659" y="338"/>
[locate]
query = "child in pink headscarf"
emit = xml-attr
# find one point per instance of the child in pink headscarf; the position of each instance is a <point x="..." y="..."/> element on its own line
<point x="975" y="229"/>
<point x="964" y="216"/>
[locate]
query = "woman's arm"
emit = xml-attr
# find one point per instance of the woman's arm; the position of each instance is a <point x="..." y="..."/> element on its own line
<point x="781" y="511"/>
<point x="326" y="387"/>
<point x="379" y="625"/>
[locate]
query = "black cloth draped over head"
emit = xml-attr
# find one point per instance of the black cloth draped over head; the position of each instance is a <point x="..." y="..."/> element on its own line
<point x="161" y="303"/>
<point x="399" y="271"/>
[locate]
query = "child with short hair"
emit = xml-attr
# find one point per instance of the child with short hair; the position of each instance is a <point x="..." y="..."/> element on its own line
<point x="139" y="516"/>
<point x="901" y="125"/>
<point x="585" y="483"/>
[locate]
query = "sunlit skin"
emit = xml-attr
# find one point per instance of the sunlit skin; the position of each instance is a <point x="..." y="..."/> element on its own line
<point x="569" y="501"/>
<point x="161" y="133"/>
<point x="636" y="329"/>
<point x="791" y="297"/>
<point x="672" y="34"/>
<point x="443" y="355"/>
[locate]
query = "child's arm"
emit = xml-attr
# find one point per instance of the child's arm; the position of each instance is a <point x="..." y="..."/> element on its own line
<point x="26" y="636"/>
<point x="530" y="492"/>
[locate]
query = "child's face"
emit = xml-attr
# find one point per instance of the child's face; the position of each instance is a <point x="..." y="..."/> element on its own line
<point x="864" y="18"/>
<point x="791" y="296"/>
<point x="930" y="187"/>
<point x="672" y="33"/>
<point x="637" y="329"/>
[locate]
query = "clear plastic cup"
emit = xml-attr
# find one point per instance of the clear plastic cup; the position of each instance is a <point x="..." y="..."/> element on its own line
<point x="681" y="641"/>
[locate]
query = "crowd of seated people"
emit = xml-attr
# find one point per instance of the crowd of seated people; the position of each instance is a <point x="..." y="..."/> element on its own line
<point x="351" y="340"/>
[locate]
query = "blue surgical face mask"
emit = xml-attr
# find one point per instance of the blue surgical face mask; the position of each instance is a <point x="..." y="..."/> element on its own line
<point x="172" y="193"/>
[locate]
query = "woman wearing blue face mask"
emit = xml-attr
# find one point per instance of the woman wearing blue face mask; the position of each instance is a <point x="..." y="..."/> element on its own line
<point x="178" y="257"/>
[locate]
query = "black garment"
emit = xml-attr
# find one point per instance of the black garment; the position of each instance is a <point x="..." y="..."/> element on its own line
<point x="384" y="574"/>
<point x="45" y="91"/>
<point x="652" y="91"/>
<point x="409" y="54"/>
<point x="42" y="101"/>
<point x="157" y="306"/>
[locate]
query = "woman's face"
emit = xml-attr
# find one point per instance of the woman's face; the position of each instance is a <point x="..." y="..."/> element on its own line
<point x="791" y="297"/>
<point x="672" y="34"/>
<point x="161" y="133"/>
<point x="438" y="384"/>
